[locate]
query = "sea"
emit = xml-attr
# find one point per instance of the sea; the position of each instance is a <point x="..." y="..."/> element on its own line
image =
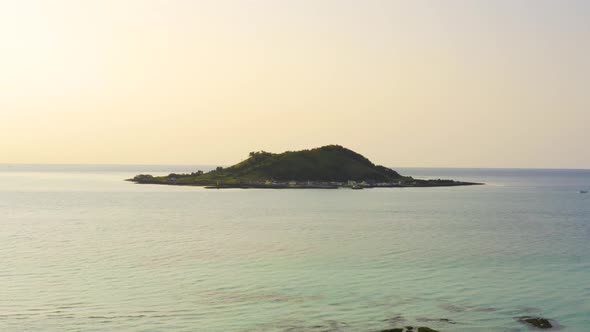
<point x="83" y="250"/>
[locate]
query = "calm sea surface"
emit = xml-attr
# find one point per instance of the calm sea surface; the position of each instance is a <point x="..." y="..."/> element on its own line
<point x="83" y="250"/>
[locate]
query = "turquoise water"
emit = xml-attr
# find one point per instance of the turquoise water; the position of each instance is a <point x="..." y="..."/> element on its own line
<point x="82" y="250"/>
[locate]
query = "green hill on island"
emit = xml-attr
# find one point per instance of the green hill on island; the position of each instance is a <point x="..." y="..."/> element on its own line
<point x="330" y="166"/>
<point x="328" y="163"/>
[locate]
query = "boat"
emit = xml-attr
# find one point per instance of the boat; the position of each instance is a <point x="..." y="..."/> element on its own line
<point x="583" y="191"/>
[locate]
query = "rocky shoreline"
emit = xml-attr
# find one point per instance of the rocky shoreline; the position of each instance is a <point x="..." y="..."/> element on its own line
<point x="302" y="185"/>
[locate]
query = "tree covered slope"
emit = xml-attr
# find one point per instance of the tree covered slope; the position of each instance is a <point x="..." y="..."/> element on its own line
<point x="328" y="163"/>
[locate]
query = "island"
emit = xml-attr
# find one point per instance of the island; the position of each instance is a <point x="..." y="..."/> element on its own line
<point x="327" y="167"/>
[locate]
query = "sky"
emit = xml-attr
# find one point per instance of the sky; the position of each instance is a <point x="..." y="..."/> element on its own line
<point x="405" y="83"/>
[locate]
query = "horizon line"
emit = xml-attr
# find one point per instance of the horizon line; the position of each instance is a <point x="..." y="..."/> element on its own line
<point x="215" y="165"/>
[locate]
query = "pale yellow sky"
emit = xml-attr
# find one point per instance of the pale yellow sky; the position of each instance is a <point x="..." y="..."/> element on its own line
<point x="407" y="83"/>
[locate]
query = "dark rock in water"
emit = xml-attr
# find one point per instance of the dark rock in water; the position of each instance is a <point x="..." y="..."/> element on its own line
<point x="411" y="329"/>
<point x="538" y="322"/>
<point x="426" y="329"/>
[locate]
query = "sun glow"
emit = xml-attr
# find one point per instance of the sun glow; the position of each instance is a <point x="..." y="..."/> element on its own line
<point x="408" y="83"/>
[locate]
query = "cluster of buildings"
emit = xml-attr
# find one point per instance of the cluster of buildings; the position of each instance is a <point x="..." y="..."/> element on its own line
<point x="326" y="184"/>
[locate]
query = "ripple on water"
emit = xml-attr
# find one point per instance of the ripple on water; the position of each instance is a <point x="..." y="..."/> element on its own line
<point x="180" y="259"/>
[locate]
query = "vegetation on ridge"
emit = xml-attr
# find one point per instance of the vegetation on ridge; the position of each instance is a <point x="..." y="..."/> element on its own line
<point x="328" y="163"/>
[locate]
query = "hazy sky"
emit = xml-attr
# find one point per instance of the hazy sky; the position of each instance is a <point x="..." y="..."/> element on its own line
<point x="407" y="83"/>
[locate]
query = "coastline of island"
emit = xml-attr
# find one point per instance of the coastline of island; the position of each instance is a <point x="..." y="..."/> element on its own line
<point x="309" y="185"/>
<point x="328" y="167"/>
